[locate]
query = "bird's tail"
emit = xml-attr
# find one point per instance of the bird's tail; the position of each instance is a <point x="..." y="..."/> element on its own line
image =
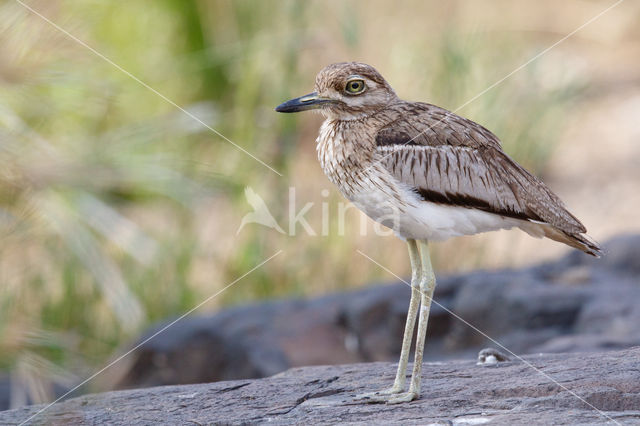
<point x="576" y="240"/>
<point x="581" y="242"/>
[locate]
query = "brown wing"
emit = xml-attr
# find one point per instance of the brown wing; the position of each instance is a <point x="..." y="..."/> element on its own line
<point x="451" y="160"/>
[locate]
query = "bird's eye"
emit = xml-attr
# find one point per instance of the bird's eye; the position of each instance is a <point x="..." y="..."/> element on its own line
<point x="354" y="86"/>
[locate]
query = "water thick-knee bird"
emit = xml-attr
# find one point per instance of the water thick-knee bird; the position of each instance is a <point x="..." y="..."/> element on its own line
<point x="428" y="174"/>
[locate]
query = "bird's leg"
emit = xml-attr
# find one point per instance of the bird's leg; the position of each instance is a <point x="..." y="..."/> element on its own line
<point x="427" y="287"/>
<point x="401" y="374"/>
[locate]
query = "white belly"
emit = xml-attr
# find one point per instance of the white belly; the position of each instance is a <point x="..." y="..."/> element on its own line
<point x="410" y="217"/>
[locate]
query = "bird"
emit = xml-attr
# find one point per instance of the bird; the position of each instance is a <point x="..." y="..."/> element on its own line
<point x="429" y="175"/>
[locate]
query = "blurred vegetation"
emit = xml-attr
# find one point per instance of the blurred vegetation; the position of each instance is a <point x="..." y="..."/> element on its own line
<point x="118" y="210"/>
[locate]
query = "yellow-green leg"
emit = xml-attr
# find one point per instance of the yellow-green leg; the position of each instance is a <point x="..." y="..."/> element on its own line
<point x="401" y="374"/>
<point x="427" y="287"/>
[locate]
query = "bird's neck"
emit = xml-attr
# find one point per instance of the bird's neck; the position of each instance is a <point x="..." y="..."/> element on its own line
<point x="345" y="149"/>
<point x="352" y="140"/>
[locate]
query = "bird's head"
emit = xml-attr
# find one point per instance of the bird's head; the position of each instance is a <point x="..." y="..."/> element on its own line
<point x="345" y="91"/>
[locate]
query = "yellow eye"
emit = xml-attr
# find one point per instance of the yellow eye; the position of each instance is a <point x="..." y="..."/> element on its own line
<point x="354" y="86"/>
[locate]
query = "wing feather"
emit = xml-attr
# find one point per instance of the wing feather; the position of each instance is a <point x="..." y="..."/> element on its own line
<point x="451" y="160"/>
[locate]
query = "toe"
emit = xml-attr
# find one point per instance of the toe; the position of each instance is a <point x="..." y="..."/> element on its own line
<point x="372" y="398"/>
<point x="403" y="397"/>
<point x="379" y="396"/>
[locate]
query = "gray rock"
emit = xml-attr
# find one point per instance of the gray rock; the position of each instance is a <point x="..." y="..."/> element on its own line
<point x="574" y="304"/>
<point x="567" y="389"/>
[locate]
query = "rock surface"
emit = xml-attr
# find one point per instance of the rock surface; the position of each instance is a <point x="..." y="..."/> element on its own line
<point x="566" y="389"/>
<point x="576" y="304"/>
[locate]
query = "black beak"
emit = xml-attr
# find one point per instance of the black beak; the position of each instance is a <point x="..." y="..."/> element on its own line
<point x="303" y="103"/>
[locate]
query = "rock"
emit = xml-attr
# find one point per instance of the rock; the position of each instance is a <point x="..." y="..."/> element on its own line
<point x="205" y="354"/>
<point x="567" y="389"/>
<point x="577" y="303"/>
<point x="5" y="392"/>
<point x="243" y="342"/>
<point x="16" y="393"/>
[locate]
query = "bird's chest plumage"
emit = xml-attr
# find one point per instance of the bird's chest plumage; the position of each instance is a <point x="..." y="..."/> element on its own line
<point x="347" y="154"/>
<point x="343" y="156"/>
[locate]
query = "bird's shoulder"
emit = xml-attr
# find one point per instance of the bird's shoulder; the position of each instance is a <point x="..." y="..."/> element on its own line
<point x="423" y="124"/>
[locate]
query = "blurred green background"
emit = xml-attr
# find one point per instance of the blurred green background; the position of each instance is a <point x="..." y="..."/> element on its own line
<point x="118" y="210"/>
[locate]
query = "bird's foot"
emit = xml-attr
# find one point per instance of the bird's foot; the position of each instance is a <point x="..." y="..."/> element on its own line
<point x="404" y="397"/>
<point x="379" y="396"/>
